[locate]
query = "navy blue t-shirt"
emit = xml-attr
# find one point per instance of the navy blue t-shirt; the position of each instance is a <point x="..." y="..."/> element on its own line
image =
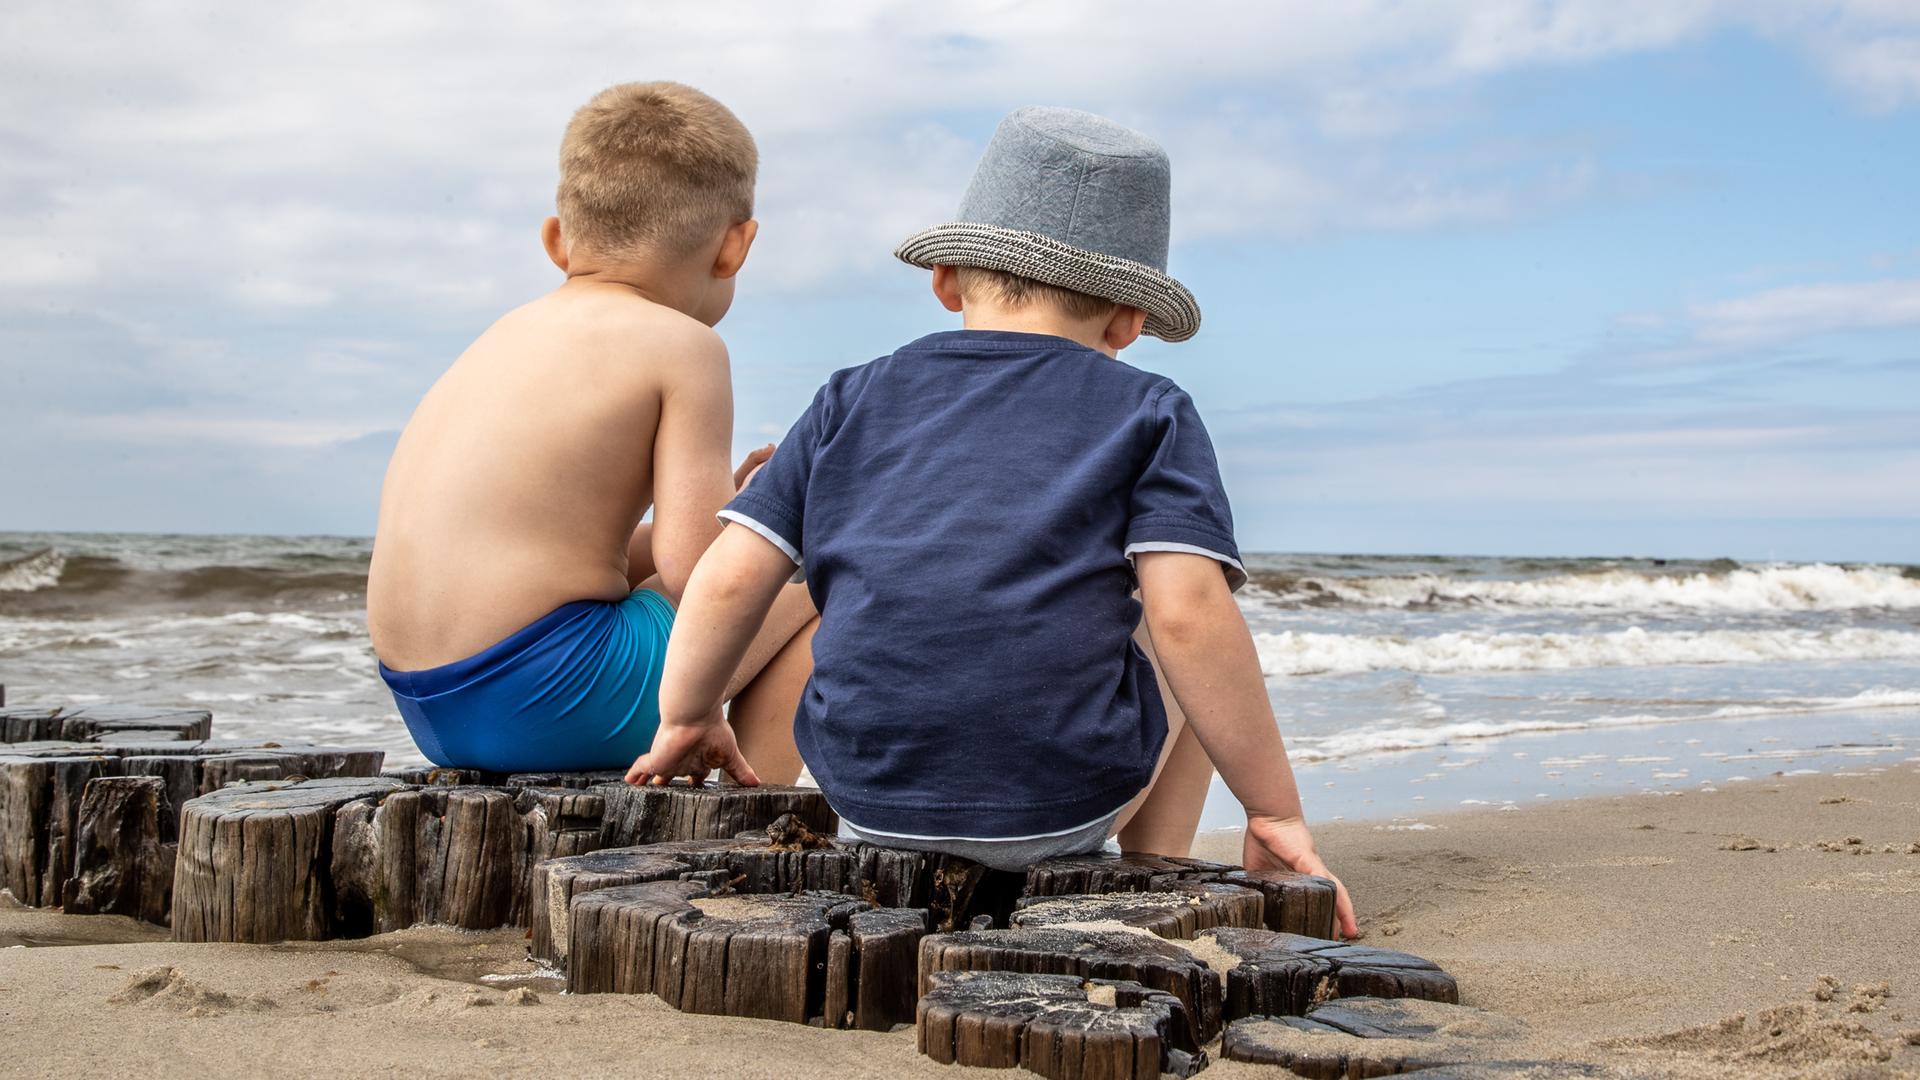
<point x="964" y="511"/>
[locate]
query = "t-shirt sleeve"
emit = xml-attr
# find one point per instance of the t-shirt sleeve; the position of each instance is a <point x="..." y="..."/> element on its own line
<point x="1179" y="503"/>
<point x="774" y="502"/>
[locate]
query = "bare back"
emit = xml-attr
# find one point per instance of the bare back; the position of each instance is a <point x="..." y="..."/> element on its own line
<point x="519" y="481"/>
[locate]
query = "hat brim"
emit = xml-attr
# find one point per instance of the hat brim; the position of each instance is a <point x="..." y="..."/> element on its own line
<point x="1172" y="312"/>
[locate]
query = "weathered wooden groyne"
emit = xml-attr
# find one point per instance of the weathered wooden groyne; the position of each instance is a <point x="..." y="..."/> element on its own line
<point x="716" y="899"/>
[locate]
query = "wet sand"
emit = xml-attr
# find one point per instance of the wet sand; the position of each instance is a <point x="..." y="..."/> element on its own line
<point x="1770" y="928"/>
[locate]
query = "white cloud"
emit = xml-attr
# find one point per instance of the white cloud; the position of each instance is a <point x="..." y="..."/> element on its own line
<point x="1801" y="311"/>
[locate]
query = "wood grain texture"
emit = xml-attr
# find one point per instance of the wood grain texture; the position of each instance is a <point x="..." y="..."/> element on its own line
<point x="124" y="851"/>
<point x="1058" y="1026"/>
<point x="1125" y="955"/>
<point x="42" y="787"/>
<point x="86" y="723"/>
<point x="709" y="811"/>
<point x="758" y="956"/>
<point x="1286" y="974"/>
<point x="1295" y="903"/>
<point x="451" y="856"/>
<point x="254" y="860"/>
<point x="1178" y="909"/>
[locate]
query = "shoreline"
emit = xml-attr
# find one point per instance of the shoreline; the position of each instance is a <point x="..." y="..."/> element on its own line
<point x="1624" y="930"/>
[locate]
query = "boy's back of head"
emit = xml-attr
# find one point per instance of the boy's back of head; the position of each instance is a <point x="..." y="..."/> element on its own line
<point x="653" y="170"/>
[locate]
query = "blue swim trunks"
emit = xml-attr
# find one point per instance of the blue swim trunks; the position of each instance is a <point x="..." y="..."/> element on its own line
<point x="577" y="689"/>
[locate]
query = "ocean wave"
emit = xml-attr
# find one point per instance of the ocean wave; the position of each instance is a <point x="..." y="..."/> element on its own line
<point x="28" y="573"/>
<point x="1300" y="653"/>
<point x="1811" y="587"/>
<point x="1347" y="744"/>
<point x="51" y="580"/>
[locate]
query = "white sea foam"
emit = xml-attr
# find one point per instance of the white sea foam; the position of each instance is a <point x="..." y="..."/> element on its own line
<point x="40" y="570"/>
<point x="1812" y="587"/>
<point x="1347" y="744"/>
<point x="1301" y="653"/>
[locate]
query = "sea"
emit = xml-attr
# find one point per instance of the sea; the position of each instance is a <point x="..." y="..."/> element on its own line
<point x="1404" y="685"/>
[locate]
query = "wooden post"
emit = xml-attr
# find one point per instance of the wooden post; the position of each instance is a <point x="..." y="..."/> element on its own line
<point x="783" y="957"/>
<point x="1296" y="903"/>
<point x="1087" y="954"/>
<point x="39" y="814"/>
<point x="1058" y="1026"/>
<point x="124" y="852"/>
<point x="710" y="811"/>
<point x="254" y="860"/>
<point x="1179" y="909"/>
<point x="1286" y="974"/>
<point x="92" y="722"/>
<point x="454" y="856"/>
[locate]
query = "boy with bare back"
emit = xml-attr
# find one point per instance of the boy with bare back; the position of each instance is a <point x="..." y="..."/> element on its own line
<point x="519" y="607"/>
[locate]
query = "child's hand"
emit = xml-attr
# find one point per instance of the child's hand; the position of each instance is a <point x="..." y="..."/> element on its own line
<point x="750" y="465"/>
<point x="1285" y="844"/>
<point x="692" y="750"/>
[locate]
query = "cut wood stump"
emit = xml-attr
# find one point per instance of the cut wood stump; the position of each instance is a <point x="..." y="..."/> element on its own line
<point x="451" y="856"/>
<point x="1180" y="909"/>
<point x="788" y="857"/>
<point x="1295" y="903"/>
<point x="1274" y="974"/>
<point x="254" y="861"/>
<point x="42" y="787"/>
<point x="1365" y="1036"/>
<point x="124" y="852"/>
<point x="709" y="811"/>
<point x="92" y="722"/>
<point x="1127" y="955"/>
<point x="1058" y="1026"/>
<point x="772" y="957"/>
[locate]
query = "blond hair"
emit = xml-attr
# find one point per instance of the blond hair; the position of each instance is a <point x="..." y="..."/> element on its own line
<point x="1015" y="291"/>
<point x="654" y="167"/>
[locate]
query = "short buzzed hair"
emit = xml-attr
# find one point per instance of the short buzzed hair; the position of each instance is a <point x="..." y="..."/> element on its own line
<point x="1017" y="292"/>
<point x="654" y="167"/>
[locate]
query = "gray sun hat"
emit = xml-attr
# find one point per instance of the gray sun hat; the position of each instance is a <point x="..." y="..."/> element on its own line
<point x="1069" y="199"/>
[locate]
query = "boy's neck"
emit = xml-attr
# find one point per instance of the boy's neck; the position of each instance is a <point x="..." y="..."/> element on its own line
<point x="1038" y="319"/>
<point x="665" y="286"/>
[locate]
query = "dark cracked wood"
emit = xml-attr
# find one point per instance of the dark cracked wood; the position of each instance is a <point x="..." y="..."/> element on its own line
<point x="710" y="811"/>
<point x="124" y="853"/>
<point x="254" y="861"/>
<point x="800" y="957"/>
<point x="1295" y="903"/>
<point x="1058" y="1026"/>
<point x="1363" y="1037"/>
<point x="1127" y="955"/>
<point x="42" y="787"/>
<point x="451" y="856"/>
<point x="85" y="723"/>
<point x="1274" y="974"/>
<point x="1179" y="909"/>
<point x="787" y="857"/>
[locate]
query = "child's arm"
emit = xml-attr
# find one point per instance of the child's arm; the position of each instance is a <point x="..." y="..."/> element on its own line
<point x="640" y="564"/>
<point x="726" y="601"/>
<point x="1209" y="660"/>
<point x="691" y="481"/>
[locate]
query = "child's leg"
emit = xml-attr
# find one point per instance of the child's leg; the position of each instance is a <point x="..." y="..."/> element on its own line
<point x="1163" y="819"/>
<point x="762" y="713"/>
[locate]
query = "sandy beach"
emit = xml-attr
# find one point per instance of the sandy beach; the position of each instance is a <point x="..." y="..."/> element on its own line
<point x="1768" y="929"/>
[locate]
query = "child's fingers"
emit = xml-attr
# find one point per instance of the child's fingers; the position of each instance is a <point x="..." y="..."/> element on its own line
<point x="1343" y="911"/>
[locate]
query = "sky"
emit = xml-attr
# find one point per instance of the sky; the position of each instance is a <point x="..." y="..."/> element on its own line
<point x="1597" y="277"/>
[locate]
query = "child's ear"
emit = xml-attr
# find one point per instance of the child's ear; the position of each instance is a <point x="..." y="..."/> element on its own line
<point x="555" y="244"/>
<point x="946" y="286"/>
<point x="1124" y="328"/>
<point x="734" y="247"/>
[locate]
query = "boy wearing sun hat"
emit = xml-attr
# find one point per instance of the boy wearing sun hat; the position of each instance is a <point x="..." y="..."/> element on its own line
<point x="973" y="515"/>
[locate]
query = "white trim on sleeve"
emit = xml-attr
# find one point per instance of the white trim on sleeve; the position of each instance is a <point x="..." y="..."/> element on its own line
<point x="771" y="537"/>
<point x="1234" y="580"/>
